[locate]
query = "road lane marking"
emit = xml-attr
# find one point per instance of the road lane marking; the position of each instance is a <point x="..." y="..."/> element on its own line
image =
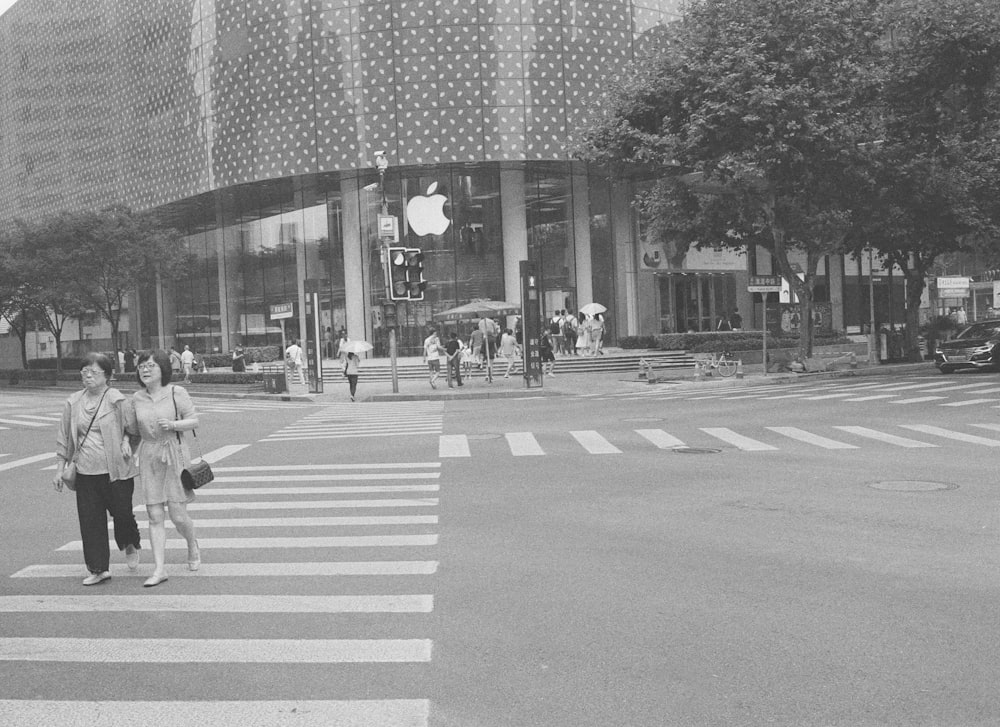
<point x="957" y="387"/>
<point x="917" y="400"/>
<point x="873" y="397"/>
<point x="453" y="445"/>
<point x="970" y="402"/>
<point x="222" y="452"/>
<point x="50" y="418"/>
<point x="355" y="435"/>
<point x="594" y="443"/>
<point x="258" y="570"/>
<point x="949" y="434"/>
<point x="332" y="477"/>
<point x="291" y="713"/>
<point x="308" y="504"/>
<point x="830" y="396"/>
<point x="884" y="437"/>
<point x="334" y="541"/>
<point x="236" y="651"/>
<point x="307" y="522"/>
<point x="738" y="440"/>
<point x="523" y="444"/>
<point x="344" y="489"/>
<point x="807" y="437"/>
<point x="26" y="461"/>
<point x="325" y="467"/>
<point x="23" y="424"/>
<point x="660" y="438"/>
<point x="240" y="603"/>
<point x="990" y="427"/>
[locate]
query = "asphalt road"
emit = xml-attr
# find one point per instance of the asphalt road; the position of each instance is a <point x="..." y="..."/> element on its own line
<point x="821" y="553"/>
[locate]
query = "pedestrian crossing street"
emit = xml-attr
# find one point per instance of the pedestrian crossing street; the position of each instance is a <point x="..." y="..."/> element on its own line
<point x="941" y="391"/>
<point x="371" y="419"/>
<point x="362" y="536"/>
<point x="747" y="438"/>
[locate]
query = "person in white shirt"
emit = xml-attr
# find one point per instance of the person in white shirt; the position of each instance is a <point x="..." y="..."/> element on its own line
<point x="508" y="351"/>
<point x="293" y="359"/>
<point x="187" y="362"/>
<point x="432" y="355"/>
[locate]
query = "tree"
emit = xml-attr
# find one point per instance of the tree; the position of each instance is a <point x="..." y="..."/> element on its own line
<point x="750" y="112"/>
<point x="111" y="253"/>
<point x="936" y="182"/>
<point x="13" y="304"/>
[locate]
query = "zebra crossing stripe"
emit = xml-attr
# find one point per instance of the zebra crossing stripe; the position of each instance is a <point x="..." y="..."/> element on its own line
<point x="841" y="395"/>
<point x="26" y="461"/>
<point x="221" y="453"/>
<point x="810" y="438"/>
<point x="334" y="541"/>
<point x="308" y="504"/>
<point x="303" y="713"/>
<point x="957" y="387"/>
<point x="970" y="402"/>
<point x="453" y="445"/>
<point x="916" y="400"/>
<point x="204" y="651"/>
<point x="523" y="444"/>
<point x="660" y="438"/>
<point x="990" y="427"/>
<point x="884" y="437"/>
<point x="356" y="489"/>
<point x="873" y="397"/>
<point x="239" y="603"/>
<point x="738" y="440"/>
<point x="949" y="434"/>
<point x="594" y="443"/>
<point x="354" y="435"/>
<point x="50" y="418"/>
<point x="364" y="476"/>
<point x="308" y="522"/>
<point x="296" y="569"/>
<point x="23" y="424"/>
<point x="327" y="467"/>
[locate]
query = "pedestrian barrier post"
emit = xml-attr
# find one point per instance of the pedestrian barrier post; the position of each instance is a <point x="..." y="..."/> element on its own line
<point x="854" y="360"/>
<point x="739" y="368"/>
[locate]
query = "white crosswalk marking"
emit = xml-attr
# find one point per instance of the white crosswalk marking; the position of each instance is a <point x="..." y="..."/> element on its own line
<point x="221" y="453"/>
<point x="738" y="440"/>
<point x="949" y="434"/>
<point x="970" y="402"/>
<point x="991" y="427"/>
<point x="309" y="504"/>
<point x="341" y="541"/>
<point x="219" y="604"/>
<point x="331" y="490"/>
<point x="810" y="438"/>
<point x="304" y="713"/>
<point x="23" y="423"/>
<point x="48" y="456"/>
<point x="824" y="397"/>
<point x="241" y="651"/>
<point x="453" y="445"/>
<point x="523" y="444"/>
<point x="377" y="419"/>
<point x="872" y="397"/>
<point x="594" y="443"/>
<point x="259" y="570"/>
<point x="307" y="522"/>
<point x="359" y="476"/>
<point x="916" y="400"/>
<point x="884" y="437"/>
<point x="660" y="438"/>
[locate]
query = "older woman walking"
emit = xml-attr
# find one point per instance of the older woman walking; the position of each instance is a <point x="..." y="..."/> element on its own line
<point x="91" y="435"/>
<point x="162" y="412"/>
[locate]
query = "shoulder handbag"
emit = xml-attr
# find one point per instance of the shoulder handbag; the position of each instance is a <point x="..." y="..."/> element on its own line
<point x="197" y="473"/>
<point x="68" y="475"/>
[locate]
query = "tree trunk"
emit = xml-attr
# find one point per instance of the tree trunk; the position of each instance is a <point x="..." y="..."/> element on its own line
<point x="914" y="291"/>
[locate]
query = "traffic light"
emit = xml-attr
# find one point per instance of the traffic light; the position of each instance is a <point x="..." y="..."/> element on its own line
<point x="415" y="282"/>
<point x="395" y="274"/>
<point x="405" y="274"/>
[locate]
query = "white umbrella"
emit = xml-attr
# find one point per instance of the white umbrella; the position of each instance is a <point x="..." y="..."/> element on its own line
<point x="592" y="309"/>
<point x="356" y="346"/>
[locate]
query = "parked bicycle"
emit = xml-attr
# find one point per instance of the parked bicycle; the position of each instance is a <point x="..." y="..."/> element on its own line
<point x="723" y="363"/>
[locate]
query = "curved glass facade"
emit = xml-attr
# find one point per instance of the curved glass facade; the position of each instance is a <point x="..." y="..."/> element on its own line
<point x="253" y="125"/>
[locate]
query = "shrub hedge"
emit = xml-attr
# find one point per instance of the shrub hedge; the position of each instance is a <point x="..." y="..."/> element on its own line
<point x="718" y="341"/>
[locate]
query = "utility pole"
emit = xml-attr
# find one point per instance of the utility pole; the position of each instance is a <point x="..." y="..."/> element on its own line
<point x="381" y="164"/>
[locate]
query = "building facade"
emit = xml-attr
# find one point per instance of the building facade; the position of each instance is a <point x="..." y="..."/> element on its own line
<point x="253" y="126"/>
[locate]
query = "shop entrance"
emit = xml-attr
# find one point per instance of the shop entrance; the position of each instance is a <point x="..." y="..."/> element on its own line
<point x="695" y="301"/>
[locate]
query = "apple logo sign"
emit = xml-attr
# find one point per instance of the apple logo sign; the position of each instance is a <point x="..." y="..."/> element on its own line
<point x="425" y="213"/>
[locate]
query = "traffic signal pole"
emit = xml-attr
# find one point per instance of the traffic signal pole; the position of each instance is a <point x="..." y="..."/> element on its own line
<point x="381" y="164"/>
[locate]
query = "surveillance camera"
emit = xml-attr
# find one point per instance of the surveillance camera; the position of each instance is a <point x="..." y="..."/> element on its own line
<point x="380" y="153"/>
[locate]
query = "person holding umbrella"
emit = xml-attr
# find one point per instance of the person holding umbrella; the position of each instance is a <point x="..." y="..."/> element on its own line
<point x="349" y="350"/>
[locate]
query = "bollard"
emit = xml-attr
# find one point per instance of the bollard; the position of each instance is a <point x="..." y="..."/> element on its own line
<point x="854" y="360"/>
<point x="642" y="368"/>
<point x="697" y="371"/>
<point x="739" y="368"/>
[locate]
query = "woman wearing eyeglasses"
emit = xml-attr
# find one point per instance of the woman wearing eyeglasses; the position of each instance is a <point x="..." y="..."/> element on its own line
<point x="92" y="434"/>
<point x="162" y="411"/>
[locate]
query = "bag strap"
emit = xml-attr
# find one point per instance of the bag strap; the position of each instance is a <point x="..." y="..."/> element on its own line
<point x="76" y="454"/>
<point x="177" y="417"/>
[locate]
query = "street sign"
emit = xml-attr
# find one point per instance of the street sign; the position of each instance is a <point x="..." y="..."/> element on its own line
<point x="764" y="284"/>
<point x="388" y="228"/>
<point x="954" y="286"/>
<point x="282" y="310"/>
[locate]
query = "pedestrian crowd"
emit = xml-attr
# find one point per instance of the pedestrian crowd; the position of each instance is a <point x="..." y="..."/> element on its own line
<point x="112" y="449"/>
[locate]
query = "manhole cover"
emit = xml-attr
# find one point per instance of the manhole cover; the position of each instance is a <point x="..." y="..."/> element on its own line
<point x="695" y="450"/>
<point x="912" y="486"/>
<point x="482" y="436"/>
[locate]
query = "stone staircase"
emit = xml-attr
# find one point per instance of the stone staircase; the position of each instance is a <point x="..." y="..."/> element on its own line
<point x="627" y="362"/>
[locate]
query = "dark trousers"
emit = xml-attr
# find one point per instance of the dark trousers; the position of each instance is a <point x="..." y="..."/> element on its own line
<point x="96" y="496"/>
<point x="455" y="369"/>
<point x="352" y="379"/>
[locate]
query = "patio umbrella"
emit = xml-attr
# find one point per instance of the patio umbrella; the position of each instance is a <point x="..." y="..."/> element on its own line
<point x="356" y="346"/>
<point x="592" y="309"/>
<point x="478" y="309"/>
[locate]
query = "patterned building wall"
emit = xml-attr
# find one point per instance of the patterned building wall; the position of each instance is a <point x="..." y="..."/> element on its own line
<point x="150" y="101"/>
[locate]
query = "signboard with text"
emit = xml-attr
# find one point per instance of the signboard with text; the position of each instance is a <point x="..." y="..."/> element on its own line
<point x="280" y="311"/>
<point x="764" y="284"/>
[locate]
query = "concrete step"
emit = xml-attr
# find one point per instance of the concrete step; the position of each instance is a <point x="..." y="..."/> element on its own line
<point x="413" y="369"/>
